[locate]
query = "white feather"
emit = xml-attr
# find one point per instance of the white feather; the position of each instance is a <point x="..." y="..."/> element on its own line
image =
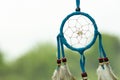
<point x="63" y="73"/>
<point x="100" y="73"/>
<point x="104" y="73"/>
<point x="56" y="74"/>
<point x="108" y="67"/>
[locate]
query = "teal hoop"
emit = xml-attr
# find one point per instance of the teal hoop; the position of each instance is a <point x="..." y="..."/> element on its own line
<point x="80" y="50"/>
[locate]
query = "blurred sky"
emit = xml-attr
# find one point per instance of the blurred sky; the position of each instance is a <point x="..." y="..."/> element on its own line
<point x="24" y="23"/>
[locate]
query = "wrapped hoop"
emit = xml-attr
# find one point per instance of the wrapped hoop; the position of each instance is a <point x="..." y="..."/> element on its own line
<point x="65" y="42"/>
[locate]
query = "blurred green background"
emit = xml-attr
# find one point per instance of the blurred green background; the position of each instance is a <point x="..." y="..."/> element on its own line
<point x="39" y="62"/>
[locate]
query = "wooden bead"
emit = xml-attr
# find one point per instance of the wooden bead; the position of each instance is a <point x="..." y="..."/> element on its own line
<point x="64" y="60"/>
<point x="101" y="60"/>
<point x="84" y="76"/>
<point x="58" y="61"/>
<point x="106" y="59"/>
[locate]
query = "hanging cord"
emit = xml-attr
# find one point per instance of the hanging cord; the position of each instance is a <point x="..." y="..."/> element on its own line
<point x="103" y="58"/>
<point x="58" y="52"/>
<point x="82" y="64"/>
<point x="64" y="60"/>
<point x="58" y="46"/>
<point x="62" y="48"/>
<point x="102" y="51"/>
<point x="77" y="5"/>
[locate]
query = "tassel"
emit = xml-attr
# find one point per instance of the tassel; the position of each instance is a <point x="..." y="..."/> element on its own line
<point x="101" y="72"/>
<point x="100" y="67"/>
<point x="65" y="73"/>
<point x="105" y="72"/>
<point x="62" y="73"/>
<point x="56" y="74"/>
<point x="108" y="67"/>
<point x="110" y="72"/>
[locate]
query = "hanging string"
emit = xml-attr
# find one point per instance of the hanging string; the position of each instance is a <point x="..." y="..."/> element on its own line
<point x="77" y="5"/>
<point x="62" y="48"/>
<point x="82" y="63"/>
<point x="102" y="51"/>
<point x="58" y="46"/>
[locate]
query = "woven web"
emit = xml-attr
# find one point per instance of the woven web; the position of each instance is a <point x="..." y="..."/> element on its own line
<point x="78" y="31"/>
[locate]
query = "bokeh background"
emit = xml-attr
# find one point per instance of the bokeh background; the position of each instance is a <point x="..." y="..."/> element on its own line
<point x="28" y="30"/>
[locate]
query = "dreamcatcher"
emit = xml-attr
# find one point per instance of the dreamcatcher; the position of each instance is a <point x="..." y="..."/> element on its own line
<point x="79" y="32"/>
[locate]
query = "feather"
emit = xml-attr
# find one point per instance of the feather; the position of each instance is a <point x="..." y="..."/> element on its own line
<point x="56" y="74"/>
<point x="65" y="73"/>
<point x="99" y="73"/>
<point x="62" y="73"/>
<point x="105" y="73"/>
<point x="108" y="67"/>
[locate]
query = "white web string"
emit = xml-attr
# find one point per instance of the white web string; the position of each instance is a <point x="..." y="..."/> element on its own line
<point x="78" y="31"/>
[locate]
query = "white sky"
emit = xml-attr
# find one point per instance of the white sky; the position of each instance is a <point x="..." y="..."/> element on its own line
<point x="23" y="23"/>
